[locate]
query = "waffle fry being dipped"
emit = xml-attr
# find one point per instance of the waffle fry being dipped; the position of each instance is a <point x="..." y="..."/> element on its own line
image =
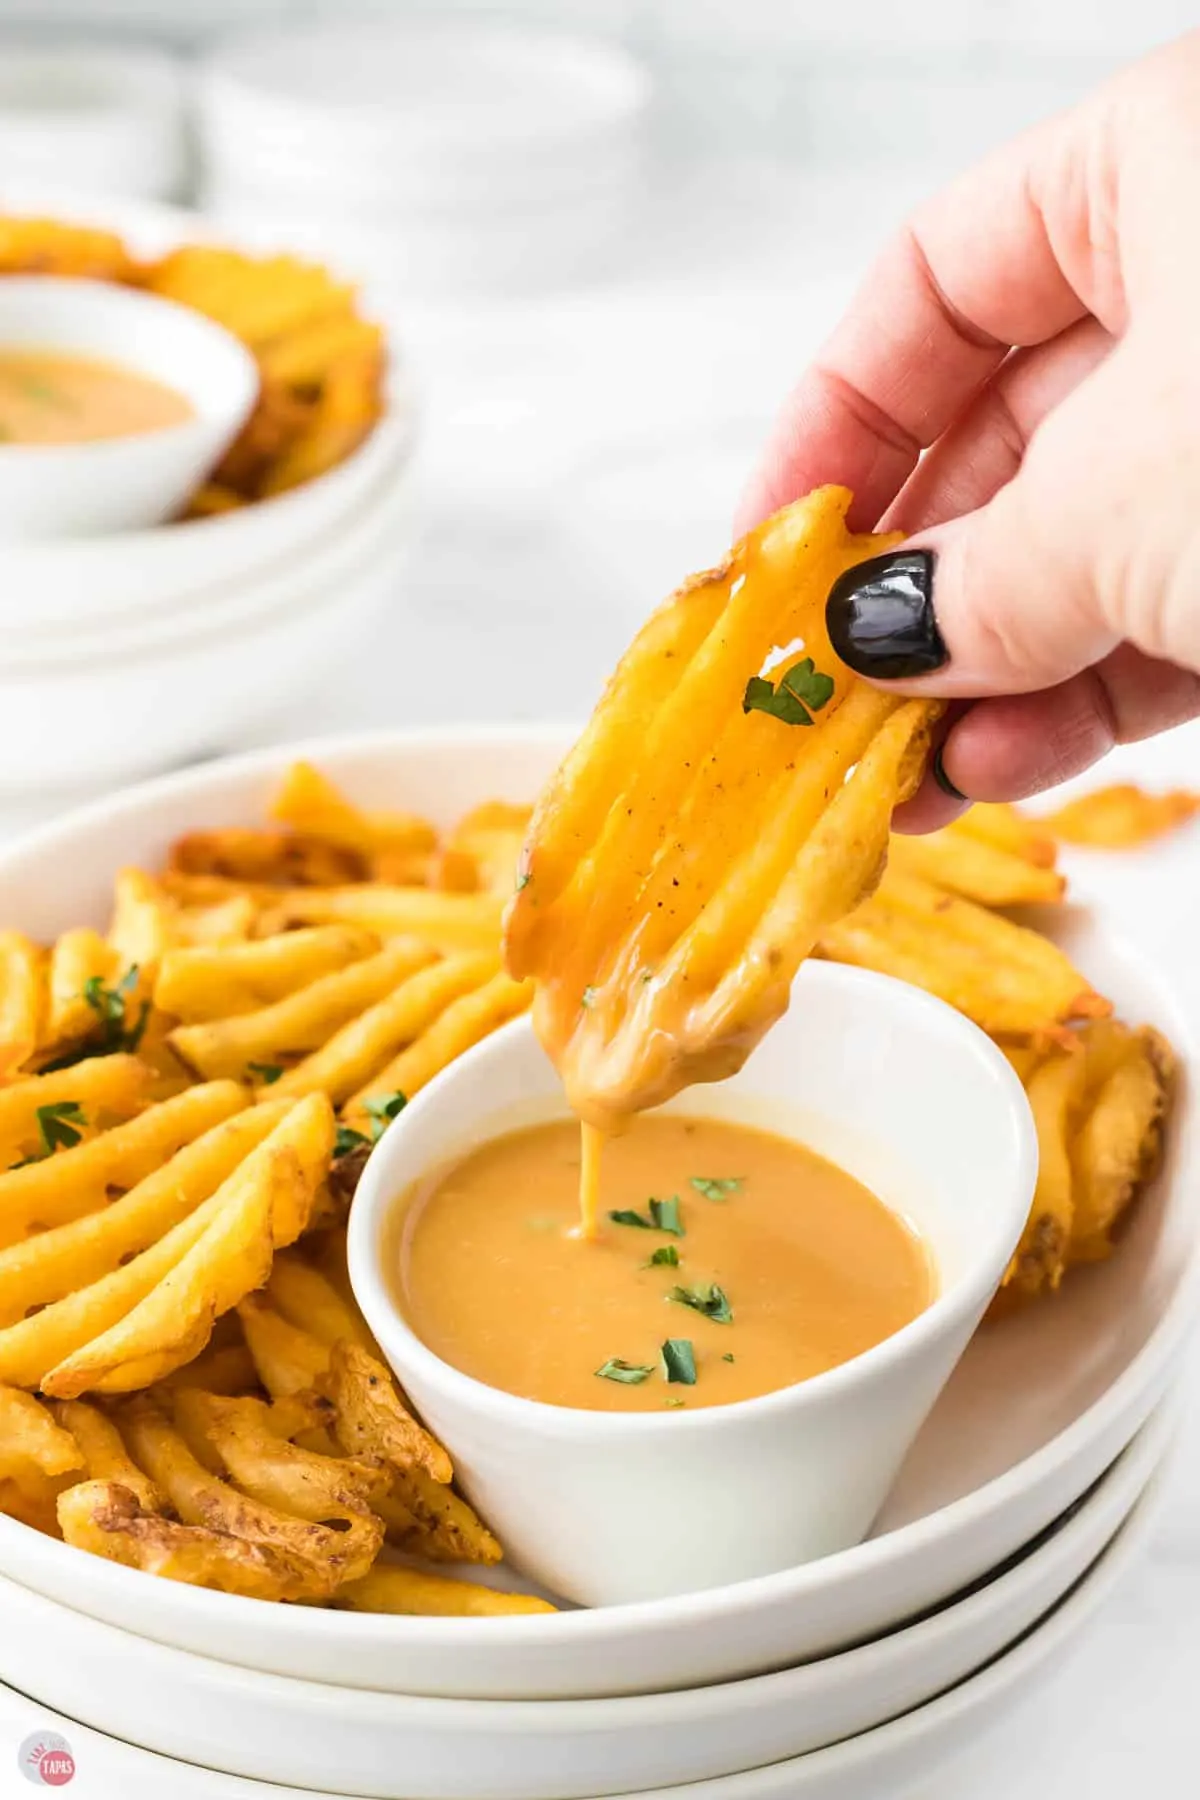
<point x="666" y="899"/>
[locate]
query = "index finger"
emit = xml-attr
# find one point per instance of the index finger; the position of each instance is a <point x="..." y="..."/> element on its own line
<point x="1003" y="257"/>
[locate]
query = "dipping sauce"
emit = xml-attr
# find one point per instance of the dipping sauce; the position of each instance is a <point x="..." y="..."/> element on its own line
<point x="50" y="398"/>
<point x="761" y="1262"/>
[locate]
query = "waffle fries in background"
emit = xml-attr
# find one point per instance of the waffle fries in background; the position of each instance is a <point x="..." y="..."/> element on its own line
<point x="321" y="364"/>
<point x="187" y="1098"/>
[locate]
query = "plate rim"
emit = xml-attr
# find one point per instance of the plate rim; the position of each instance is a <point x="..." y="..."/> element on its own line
<point x="708" y="1606"/>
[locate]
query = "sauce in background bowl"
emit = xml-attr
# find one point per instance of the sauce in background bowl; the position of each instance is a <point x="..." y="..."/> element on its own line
<point x="54" y="397"/>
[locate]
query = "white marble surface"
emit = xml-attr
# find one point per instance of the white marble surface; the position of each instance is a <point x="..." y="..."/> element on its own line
<point x="580" y="454"/>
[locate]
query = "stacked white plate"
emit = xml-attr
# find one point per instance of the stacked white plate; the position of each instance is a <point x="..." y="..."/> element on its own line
<point x="100" y="120"/>
<point x="427" y="157"/>
<point x="1024" y="1499"/>
<point x="135" y="651"/>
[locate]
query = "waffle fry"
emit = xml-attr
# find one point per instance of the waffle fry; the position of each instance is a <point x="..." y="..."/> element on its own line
<point x="466" y="1021"/>
<point x="69" y="1258"/>
<point x="204" y="982"/>
<point x="1007" y="828"/>
<point x="301" y="1021"/>
<point x="83" y="1179"/>
<point x="1010" y="980"/>
<point x="360" y="1054"/>
<point x="664" y="908"/>
<point x="1121" y="817"/>
<point x="309" y="802"/>
<point x="22" y="1001"/>
<point x="92" y="1093"/>
<point x="105" y="1457"/>
<point x="390" y="1588"/>
<point x="277" y="858"/>
<point x="976" y="870"/>
<point x="33" y="246"/>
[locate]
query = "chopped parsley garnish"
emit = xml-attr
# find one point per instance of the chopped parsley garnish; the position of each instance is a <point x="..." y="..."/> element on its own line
<point x="665" y="1254"/>
<point x="116" y="1031"/>
<point x="60" y="1127"/>
<point x="630" y="1373"/>
<point x="663" y="1216"/>
<point x="712" y="1301"/>
<point x="589" y="996"/>
<point x="347" y="1140"/>
<point x="679" y="1361"/>
<point x="522" y="882"/>
<point x="381" y="1109"/>
<point x="802" y="691"/>
<point x="268" y="1073"/>
<point x="728" y="1356"/>
<point x="716" y="1187"/>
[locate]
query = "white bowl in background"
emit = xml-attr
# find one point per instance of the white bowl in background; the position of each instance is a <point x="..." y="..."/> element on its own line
<point x="398" y="1747"/>
<point x="96" y="119"/>
<point x="907" y="1095"/>
<point x="434" y="157"/>
<point x="1033" y="1415"/>
<point x="459" y="94"/>
<point x="114" y="484"/>
<point x="893" y="1760"/>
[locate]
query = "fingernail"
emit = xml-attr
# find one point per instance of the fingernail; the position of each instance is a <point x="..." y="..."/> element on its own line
<point x="938" y="768"/>
<point x="880" y="617"/>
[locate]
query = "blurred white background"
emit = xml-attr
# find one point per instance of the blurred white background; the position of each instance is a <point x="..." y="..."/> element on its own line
<point x="584" y="440"/>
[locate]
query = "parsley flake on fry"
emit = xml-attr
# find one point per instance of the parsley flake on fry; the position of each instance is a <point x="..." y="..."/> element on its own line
<point x="802" y="691"/>
<point x="268" y="1073"/>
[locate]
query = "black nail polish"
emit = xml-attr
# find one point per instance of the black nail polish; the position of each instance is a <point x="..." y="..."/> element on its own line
<point x="938" y="770"/>
<point x="880" y="617"/>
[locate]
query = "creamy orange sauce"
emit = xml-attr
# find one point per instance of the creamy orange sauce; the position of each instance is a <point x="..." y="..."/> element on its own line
<point x="50" y="398"/>
<point x="492" y="1274"/>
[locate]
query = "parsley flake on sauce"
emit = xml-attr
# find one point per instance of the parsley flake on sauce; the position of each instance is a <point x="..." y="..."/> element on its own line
<point x="802" y="691"/>
<point x="663" y="1216"/>
<point x="712" y="1301"/>
<point x="268" y="1073"/>
<point x="666" y="1255"/>
<point x="629" y="1373"/>
<point x="716" y="1187"/>
<point x="679" y="1361"/>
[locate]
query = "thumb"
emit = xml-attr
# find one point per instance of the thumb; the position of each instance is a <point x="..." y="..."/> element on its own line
<point x="999" y="601"/>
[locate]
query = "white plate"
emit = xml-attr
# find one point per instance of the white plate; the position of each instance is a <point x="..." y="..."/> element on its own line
<point x="178" y="693"/>
<point x="143" y="574"/>
<point x="396" y="1747"/>
<point x="890" y="1761"/>
<point x="1035" y="1413"/>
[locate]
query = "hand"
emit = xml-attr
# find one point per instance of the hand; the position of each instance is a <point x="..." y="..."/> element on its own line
<point x="1035" y="331"/>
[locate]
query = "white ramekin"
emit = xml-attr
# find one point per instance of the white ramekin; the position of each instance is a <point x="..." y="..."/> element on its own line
<point x="602" y="1507"/>
<point x="114" y="484"/>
